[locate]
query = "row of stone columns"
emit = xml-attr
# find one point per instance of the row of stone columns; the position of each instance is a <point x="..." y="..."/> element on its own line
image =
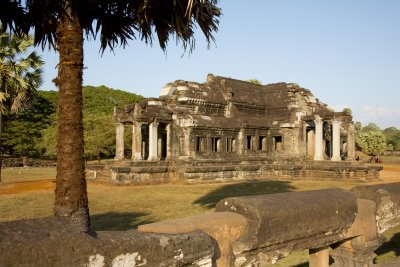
<point x="137" y="141"/>
<point x="318" y="147"/>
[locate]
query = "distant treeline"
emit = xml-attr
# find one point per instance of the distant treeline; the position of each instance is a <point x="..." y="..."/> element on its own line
<point x="33" y="132"/>
<point x="374" y="141"/>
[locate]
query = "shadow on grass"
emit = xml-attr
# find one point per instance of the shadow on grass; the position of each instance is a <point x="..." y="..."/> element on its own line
<point x="118" y="221"/>
<point x="247" y="188"/>
<point x="392" y="245"/>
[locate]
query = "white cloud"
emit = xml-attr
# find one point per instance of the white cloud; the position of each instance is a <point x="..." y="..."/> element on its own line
<point x="382" y="116"/>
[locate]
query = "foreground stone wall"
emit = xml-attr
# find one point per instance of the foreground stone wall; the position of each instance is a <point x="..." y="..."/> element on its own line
<point x="244" y="231"/>
<point x="332" y="222"/>
<point x="54" y="242"/>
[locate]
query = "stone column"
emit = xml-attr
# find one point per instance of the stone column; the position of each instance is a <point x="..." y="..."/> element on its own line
<point x="240" y="143"/>
<point x="318" y="138"/>
<point x="169" y="141"/>
<point x="119" y="141"/>
<point x="153" y="140"/>
<point x="336" y="140"/>
<point x="310" y="143"/>
<point x="351" y="142"/>
<point x="319" y="257"/>
<point x="137" y="141"/>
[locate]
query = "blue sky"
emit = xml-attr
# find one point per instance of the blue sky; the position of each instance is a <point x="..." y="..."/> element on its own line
<point x="347" y="52"/>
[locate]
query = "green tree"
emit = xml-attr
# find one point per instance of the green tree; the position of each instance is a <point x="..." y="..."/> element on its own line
<point x="47" y="143"/>
<point x="99" y="135"/>
<point x="390" y="147"/>
<point x="371" y="127"/>
<point x="372" y="143"/>
<point x="255" y="81"/>
<point x="392" y="135"/>
<point x="23" y="129"/>
<point x="357" y="126"/>
<point x="102" y="99"/>
<point x="62" y="24"/>
<point x="348" y="111"/>
<point x="20" y="74"/>
<point x="99" y="127"/>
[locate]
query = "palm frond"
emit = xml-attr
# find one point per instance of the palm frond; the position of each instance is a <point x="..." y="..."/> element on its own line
<point x="178" y="18"/>
<point x="116" y="22"/>
<point x="21" y="75"/>
<point x="12" y="16"/>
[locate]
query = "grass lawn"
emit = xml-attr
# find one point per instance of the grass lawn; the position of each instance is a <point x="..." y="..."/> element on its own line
<point x="126" y="207"/>
<point x="12" y="175"/>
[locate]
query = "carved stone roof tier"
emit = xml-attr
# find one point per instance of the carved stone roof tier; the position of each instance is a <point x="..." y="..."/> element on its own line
<point x="230" y="103"/>
<point x="220" y="122"/>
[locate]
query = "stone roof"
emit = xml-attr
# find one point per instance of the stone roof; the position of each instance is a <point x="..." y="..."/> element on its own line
<point x="222" y="90"/>
<point x="229" y="103"/>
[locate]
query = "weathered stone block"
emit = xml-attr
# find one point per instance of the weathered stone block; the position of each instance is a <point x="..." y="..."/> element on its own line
<point x="387" y="199"/>
<point x="279" y="223"/>
<point x="224" y="227"/>
<point x="55" y="242"/>
<point x="361" y="240"/>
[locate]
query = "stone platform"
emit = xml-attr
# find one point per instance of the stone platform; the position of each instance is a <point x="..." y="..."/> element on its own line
<point x="154" y="172"/>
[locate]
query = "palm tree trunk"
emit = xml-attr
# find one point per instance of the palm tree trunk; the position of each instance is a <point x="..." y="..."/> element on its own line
<point x="1" y="149"/>
<point x="71" y="196"/>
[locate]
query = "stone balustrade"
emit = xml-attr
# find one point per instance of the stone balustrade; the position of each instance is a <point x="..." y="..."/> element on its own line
<point x="244" y="231"/>
<point x="259" y="230"/>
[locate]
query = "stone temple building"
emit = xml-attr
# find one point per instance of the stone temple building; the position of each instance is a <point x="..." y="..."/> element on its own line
<point x="231" y="129"/>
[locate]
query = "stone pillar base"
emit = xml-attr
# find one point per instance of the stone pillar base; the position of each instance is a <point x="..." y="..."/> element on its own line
<point x="319" y="257"/>
<point x="348" y="257"/>
<point x="137" y="156"/>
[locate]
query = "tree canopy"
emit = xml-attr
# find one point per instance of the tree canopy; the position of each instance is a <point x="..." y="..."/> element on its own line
<point x="20" y="74"/>
<point x="255" y="81"/>
<point x="22" y="131"/>
<point x="372" y="143"/>
<point x="62" y="24"/>
<point x="348" y="111"/>
<point x="371" y="127"/>
<point x="115" y="22"/>
<point x="392" y="135"/>
<point x="372" y="140"/>
<point x="33" y="132"/>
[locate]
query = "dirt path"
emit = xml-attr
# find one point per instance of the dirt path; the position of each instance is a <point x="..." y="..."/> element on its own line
<point x="23" y="187"/>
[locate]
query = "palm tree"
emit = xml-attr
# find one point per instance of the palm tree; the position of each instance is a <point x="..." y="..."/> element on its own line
<point x="63" y="24"/>
<point x="20" y="76"/>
